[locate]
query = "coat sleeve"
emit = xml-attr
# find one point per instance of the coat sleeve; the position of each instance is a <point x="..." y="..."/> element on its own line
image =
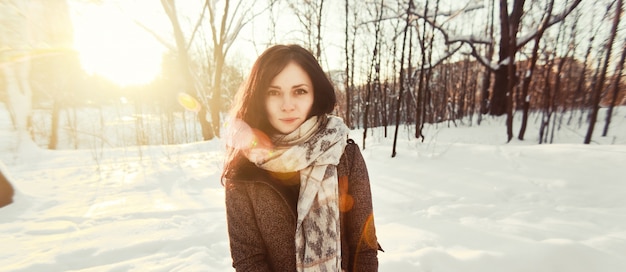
<point x="361" y="233"/>
<point x="246" y="245"/>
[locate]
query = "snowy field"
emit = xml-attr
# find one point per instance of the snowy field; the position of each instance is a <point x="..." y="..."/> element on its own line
<point x="463" y="200"/>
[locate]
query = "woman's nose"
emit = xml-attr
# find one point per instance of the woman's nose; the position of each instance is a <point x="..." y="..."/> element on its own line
<point x="287" y="103"/>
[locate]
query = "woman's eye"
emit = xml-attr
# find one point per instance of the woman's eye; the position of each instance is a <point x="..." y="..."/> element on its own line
<point x="272" y="93"/>
<point x="301" y="91"/>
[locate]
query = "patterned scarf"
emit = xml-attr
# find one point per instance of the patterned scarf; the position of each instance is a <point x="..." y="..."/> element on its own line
<point x="314" y="150"/>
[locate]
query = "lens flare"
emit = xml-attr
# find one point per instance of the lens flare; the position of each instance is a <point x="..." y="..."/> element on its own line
<point x="239" y="135"/>
<point x="346" y="201"/>
<point x="368" y="236"/>
<point x="188" y="102"/>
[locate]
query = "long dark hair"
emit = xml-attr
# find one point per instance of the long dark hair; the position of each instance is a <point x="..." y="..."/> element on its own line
<point x="249" y="103"/>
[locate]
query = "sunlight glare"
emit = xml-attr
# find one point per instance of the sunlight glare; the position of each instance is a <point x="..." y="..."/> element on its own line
<point x="239" y="135"/>
<point x="111" y="45"/>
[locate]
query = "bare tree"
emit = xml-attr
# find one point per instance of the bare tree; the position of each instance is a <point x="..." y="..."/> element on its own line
<point x="615" y="93"/>
<point x="402" y="76"/>
<point x="17" y="69"/>
<point x="509" y="45"/>
<point x="486" y="79"/>
<point x="531" y="68"/>
<point x="600" y="84"/>
<point x="226" y="24"/>
<point x="224" y="31"/>
<point x="423" y="92"/>
<point x="579" y="95"/>
<point x="28" y="33"/>
<point x="351" y="92"/>
<point x="374" y="68"/>
<point x="63" y="67"/>
<point x="188" y="81"/>
<point x="309" y="13"/>
<point x="348" y="68"/>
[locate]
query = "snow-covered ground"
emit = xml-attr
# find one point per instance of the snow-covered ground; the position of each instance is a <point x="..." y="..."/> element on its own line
<point x="463" y="200"/>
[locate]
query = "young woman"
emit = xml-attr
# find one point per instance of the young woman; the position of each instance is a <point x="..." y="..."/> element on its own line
<point x="297" y="190"/>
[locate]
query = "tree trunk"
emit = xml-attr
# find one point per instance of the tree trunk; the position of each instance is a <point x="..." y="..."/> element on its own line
<point x="402" y="75"/>
<point x="600" y="85"/>
<point x="530" y="71"/>
<point x="373" y="67"/>
<point x="54" y="124"/>
<point x="486" y="78"/>
<point x="347" y="78"/>
<point x="318" y="39"/>
<point x="216" y="97"/>
<point x="218" y="37"/>
<point x="618" y="77"/>
<point x="556" y="94"/>
<point x="352" y="86"/>
<point x="511" y="79"/>
<point x="547" y="112"/>
<point x="383" y="101"/>
<point x="580" y="84"/>
<point x="505" y="76"/>
<point x="419" y="101"/>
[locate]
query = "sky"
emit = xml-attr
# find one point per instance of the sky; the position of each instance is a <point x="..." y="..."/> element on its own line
<point x="112" y="44"/>
<point x="127" y="54"/>
<point x="462" y="200"/>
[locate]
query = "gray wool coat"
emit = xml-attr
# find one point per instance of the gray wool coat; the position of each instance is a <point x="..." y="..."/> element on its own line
<point x="261" y="215"/>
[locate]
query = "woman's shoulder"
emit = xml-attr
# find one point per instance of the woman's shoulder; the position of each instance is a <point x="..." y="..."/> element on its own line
<point x="351" y="149"/>
<point x="244" y="170"/>
<point x="351" y="154"/>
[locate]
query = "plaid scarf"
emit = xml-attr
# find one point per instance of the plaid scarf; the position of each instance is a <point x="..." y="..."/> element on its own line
<point x="314" y="150"/>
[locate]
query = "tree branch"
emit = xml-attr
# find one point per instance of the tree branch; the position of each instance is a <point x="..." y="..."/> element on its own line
<point x="198" y="23"/>
<point x="555" y="19"/>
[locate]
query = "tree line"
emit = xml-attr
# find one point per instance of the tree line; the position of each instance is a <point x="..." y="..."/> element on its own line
<point x="452" y="62"/>
<point x="405" y="62"/>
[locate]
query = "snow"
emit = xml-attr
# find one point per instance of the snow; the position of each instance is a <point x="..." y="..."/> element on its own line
<point x="463" y="200"/>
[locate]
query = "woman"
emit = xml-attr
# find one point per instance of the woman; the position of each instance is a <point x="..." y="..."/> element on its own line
<point x="297" y="190"/>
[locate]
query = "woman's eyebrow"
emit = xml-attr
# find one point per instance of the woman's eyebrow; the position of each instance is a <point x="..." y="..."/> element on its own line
<point x="294" y="86"/>
<point x="299" y="85"/>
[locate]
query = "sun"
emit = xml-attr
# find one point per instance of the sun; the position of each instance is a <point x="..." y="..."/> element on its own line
<point x="111" y="45"/>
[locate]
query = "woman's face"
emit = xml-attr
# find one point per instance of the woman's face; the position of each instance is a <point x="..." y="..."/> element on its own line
<point x="289" y="98"/>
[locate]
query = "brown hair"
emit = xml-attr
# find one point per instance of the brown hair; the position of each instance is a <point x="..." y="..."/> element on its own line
<point x="249" y="103"/>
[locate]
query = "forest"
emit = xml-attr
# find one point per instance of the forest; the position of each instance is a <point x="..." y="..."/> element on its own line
<point x="404" y="64"/>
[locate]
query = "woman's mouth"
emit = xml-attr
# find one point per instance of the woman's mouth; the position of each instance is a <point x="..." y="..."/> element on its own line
<point x="288" y="120"/>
